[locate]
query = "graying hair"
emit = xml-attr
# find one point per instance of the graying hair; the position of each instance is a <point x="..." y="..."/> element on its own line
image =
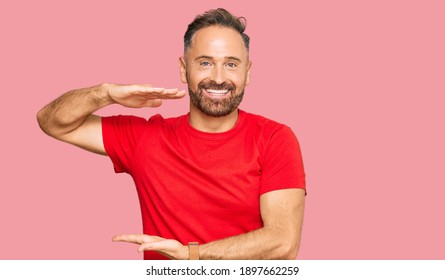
<point x="219" y="17"/>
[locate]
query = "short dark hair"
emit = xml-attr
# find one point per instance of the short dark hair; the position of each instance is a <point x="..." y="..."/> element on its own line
<point x="219" y="17"/>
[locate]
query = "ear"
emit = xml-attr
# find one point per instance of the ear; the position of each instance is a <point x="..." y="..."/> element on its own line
<point x="182" y="70"/>
<point x="248" y="72"/>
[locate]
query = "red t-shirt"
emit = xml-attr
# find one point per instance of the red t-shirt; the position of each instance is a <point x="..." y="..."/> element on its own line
<point x="198" y="186"/>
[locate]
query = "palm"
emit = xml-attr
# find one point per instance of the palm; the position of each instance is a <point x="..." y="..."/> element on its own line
<point x="144" y="95"/>
<point x="170" y="248"/>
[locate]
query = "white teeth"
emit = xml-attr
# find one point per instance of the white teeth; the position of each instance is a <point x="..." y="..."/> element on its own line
<point x="214" y="91"/>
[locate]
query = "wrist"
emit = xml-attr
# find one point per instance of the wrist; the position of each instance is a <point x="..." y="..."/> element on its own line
<point x="182" y="253"/>
<point x="193" y="248"/>
<point x="103" y="94"/>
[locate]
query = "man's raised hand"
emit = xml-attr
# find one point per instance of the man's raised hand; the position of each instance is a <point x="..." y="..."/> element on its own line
<point x="70" y="117"/>
<point x="141" y="95"/>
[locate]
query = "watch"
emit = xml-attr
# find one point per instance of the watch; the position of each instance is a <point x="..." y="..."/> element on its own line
<point x="193" y="250"/>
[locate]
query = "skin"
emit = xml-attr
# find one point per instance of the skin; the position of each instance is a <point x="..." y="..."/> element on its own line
<point x="216" y="55"/>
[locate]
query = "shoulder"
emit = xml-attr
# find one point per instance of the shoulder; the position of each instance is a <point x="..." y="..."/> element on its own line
<point x="271" y="137"/>
<point x="266" y="127"/>
<point x="158" y="121"/>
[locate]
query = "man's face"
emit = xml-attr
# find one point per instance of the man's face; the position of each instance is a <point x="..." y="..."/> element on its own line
<point x="216" y="68"/>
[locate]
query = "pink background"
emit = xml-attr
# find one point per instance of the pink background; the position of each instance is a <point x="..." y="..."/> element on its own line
<point x="360" y="82"/>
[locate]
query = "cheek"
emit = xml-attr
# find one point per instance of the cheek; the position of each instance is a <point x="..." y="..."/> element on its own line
<point x="238" y="80"/>
<point x="194" y="78"/>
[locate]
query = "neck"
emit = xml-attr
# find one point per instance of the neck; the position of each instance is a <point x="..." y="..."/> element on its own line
<point x="200" y="121"/>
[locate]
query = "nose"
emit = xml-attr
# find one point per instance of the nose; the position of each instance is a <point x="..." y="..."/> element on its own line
<point x="217" y="75"/>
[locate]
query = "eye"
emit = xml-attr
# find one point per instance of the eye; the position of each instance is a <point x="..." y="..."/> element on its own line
<point x="205" y="64"/>
<point x="231" y="65"/>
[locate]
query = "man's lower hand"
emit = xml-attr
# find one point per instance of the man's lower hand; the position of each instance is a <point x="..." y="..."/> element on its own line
<point x="170" y="248"/>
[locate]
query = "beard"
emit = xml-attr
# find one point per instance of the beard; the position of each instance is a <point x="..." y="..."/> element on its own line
<point x="216" y="107"/>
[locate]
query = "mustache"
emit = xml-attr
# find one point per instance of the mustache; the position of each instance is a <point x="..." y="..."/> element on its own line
<point x="213" y="85"/>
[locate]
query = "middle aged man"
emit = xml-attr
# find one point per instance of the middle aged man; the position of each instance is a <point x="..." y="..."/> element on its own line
<point x="230" y="181"/>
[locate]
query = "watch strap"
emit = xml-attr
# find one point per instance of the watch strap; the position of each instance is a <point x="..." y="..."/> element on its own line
<point x="193" y="250"/>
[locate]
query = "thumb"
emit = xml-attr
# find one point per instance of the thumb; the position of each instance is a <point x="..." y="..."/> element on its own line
<point x="166" y="245"/>
<point x="153" y="103"/>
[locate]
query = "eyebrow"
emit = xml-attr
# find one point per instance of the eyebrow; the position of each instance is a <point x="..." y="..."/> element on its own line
<point x="227" y="57"/>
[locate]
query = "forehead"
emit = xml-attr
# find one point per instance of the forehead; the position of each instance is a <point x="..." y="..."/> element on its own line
<point x="217" y="41"/>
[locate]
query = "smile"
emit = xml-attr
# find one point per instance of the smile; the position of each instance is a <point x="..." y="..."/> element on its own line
<point x="217" y="91"/>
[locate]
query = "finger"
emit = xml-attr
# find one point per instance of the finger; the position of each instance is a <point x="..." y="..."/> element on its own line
<point x="173" y="94"/>
<point x="153" y="103"/>
<point x="181" y="93"/>
<point x="143" y="88"/>
<point x="133" y="238"/>
<point x="163" y="93"/>
<point x="168" y="91"/>
<point x="174" y="91"/>
<point x="158" y="90"/>
<point x="161" y="246"/>
<point x="171" y="90"/>
<point x="162" y="90"/>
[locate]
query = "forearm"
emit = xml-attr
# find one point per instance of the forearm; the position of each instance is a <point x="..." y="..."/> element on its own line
<point x="70" y="110"/>
<point x="282" y="214"/>
<point x="265" y="243"/>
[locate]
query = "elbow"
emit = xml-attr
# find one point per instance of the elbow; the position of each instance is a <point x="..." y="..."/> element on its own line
<point x="40" y="119"/>
<point x="286" y="245"/>
<point x="289" y="250"/>
<point x="286" y="248"/>
<point x="44" y="122"/>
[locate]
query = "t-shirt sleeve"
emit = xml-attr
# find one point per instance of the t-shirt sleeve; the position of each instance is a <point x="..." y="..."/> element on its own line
<point x="282" y="162"/>
<point x="121" y="135"/>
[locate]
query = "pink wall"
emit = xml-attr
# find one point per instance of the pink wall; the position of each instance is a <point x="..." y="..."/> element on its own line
<point x="360" y="82"/>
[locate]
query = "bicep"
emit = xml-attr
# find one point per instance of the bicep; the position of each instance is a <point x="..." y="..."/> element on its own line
<point x="88" y="135"/>
<point x="282" y="211"/>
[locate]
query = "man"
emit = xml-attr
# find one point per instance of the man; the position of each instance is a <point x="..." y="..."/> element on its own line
<point x="230" y="181"/>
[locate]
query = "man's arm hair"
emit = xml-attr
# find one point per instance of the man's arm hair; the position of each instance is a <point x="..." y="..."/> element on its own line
<point x="70" y="117"/>
<point x="282" y="213"/>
